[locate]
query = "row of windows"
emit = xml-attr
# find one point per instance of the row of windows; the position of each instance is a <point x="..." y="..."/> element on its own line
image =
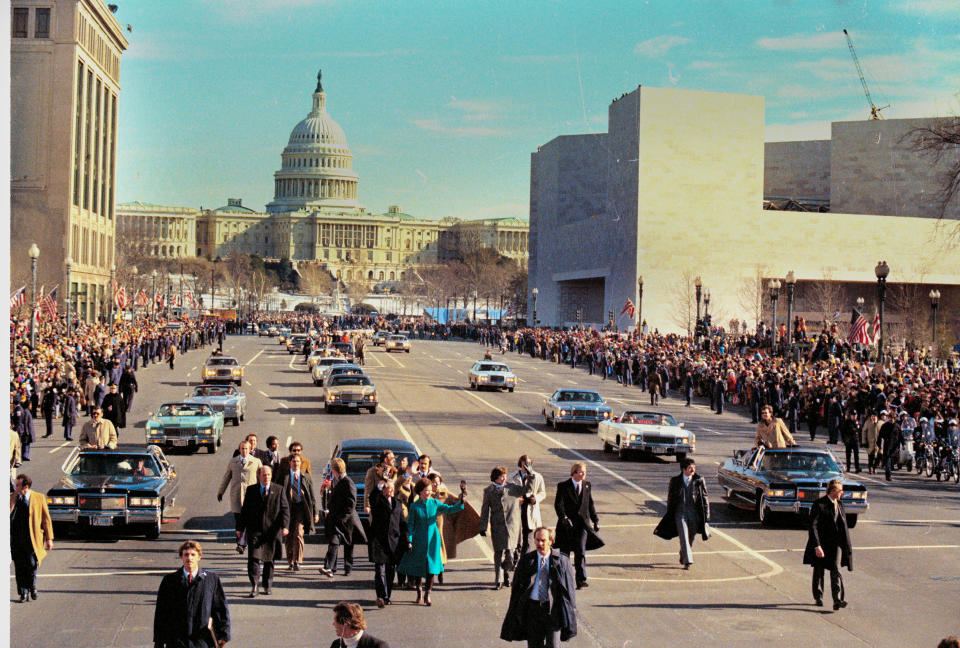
<point x="296" y="188"/>
<point x="89" y="248"/>
<point x="319" y="163"/>
<point x="152" y="227"/>
<point x="21" y="20"/>
<point x="351" y="236"/>
<point x="95" y="144"/>
<point x="97" y="46"/>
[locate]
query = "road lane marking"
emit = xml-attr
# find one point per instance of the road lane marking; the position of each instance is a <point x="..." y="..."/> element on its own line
<point x="289" y="441"/>
<point x="487" y="552"/>
<point x="292" y="358"/>
<point x="193" y="368"/>
<point x="292" y="420"/>
<point x="62" y="446"/>
<point x="711" y="431"/>
<point x="390" y="355"/>
<point x="284" y="405"/>
<point x="250" y="361"/>
<point x="263" y="393"/>
<point x="774" y="570"/>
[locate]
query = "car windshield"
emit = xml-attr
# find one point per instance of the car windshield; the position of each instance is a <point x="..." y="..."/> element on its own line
<point x="346" y="371"/>
<point x="397" y="338"/>
<point x="648" y="418"/>
<point x="184" y="409"/>
<point x="581" y="396"/>
<point x="219" y="362"/>
<point x="329" y="362"/>
<point x="115" y="464"/>
<point x="350" y="380"/>
<point x="343" y="346"/>
<point x="214" y="390"/>
<point x="494" y="367"/>
<point x="801" y="461"/>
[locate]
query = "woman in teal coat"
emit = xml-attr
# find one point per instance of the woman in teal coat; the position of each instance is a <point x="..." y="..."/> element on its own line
<point x="424" y="559"/>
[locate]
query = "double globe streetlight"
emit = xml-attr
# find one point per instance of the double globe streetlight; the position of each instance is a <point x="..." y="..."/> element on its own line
<point x="34" y="254"/>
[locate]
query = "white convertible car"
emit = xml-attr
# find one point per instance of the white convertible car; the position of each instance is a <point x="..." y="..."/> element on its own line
<point x="637" y="431"/>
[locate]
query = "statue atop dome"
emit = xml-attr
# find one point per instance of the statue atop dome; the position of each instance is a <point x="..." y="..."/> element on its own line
<point x="319" y="82"/>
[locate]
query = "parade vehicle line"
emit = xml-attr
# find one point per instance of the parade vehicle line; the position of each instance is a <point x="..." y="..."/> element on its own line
<point x="774" y="568"/>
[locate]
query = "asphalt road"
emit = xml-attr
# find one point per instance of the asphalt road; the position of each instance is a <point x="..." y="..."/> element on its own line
<point x="746" y="587"/>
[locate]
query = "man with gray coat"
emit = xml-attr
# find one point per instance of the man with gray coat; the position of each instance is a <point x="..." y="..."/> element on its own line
<point x="534" y="492"/>
<point x="501" y="512"/>
<point x="241" y="473"/>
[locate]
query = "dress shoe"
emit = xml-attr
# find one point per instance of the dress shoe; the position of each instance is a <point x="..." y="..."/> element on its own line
<point x="387" y="601"/>
<point x="497" y="587"/>
<point x="506" y="580"/>
<point x="426" y="599"/>
<point x="686" y="566"/>
<point x="23" y="597"/>
<point x="582" y="584"/>
<point x="253" y="592"/>
<point x="266" y="590"/>
<point x="33" y="594"/>
<point x="380" y="603"/>
<point x="839" y="604"/>
<point x="296" y="566"/>
<point x="347" y="570"/>
<point x="818" y="602"/>
<point x="326" y="572"/>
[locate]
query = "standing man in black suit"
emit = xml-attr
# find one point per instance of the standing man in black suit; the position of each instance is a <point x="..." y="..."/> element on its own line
<point x="828" y="544"/>
<point x="389" y="538"/>
<point x="688" y="510"/>
<point x="575" y="515"/>
<point x="543" y="601"/>
<point x="191" y="606"/>
<point x="264" y="521"/>
<point x="350" y="626"/>
<point x="341" y="524"/>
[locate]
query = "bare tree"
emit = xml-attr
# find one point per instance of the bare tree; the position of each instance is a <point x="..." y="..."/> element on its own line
<point x="236" y="271"/>
<point x="315" y="280"/>
<point x="683" y="301"/>
<point x="261" y="284"/>
<point x="940" y="143"/>
<point x="825" y="298"/>
<point x="909" y="305"/>
<point x="750" y="293"/>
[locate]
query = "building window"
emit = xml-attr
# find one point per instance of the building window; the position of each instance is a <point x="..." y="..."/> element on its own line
<point x="326" y="255"/>
<point x="370" y="258"/>
<point x="41" y="28"/>
<point x="389" y="256"/>
<point x="20" y="16"/>
<point x="380" y="276"/>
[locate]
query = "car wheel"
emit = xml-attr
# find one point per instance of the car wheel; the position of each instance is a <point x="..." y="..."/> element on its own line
<point x="510" y="389"/>
<point x="236" y="421"/>
<point x="851" y="520"/>
<point x="242" y="414"/>
<point x="556" y="425"/>
<point x="546" y="419"/>
<point x="153" y="531"/>
<point x="373" y="410"/>
<point x="408" y="350"/>
<point x="681" y="456"/>
<point x="763" y="513"/>
<point x="607" y="448"/>
<point x="212" y="448"/>
<point x="623" y="454"/>
<point x="328" y="409"/>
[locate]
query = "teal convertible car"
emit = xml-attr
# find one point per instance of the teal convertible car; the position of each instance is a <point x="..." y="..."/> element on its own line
<point x="186" y="425"/>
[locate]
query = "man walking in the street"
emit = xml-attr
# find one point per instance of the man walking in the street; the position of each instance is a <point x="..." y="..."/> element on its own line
<point x="575" y="515"/>
<point x="264" y="522"/>
<point x="31" y="535"/>
<point x="191" y="606"/>
<point x="828" y="544"/>
<point x="850" y="434"/>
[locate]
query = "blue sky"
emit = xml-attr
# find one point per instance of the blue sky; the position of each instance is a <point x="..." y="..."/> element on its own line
<point x="443" y="102"/>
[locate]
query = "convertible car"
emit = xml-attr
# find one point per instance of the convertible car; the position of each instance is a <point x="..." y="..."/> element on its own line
<point x="187" y="425"/>
<point x="221" y="398"/>
<point x="786" y="480"/>
<point x="646" y="432"/>
<point x="131" y="485"/>
<point x="575" y="407"/>
<point x="494" y="375"/>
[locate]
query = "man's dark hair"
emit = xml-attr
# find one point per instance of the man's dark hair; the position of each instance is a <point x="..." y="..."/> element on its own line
<point x="349" y="614"/>
<point x="949" y="642"/>
<point x="383" y="455"/>
<point x="25" y="480"/>
<point x="686" y="462"/>
<point x="497" y="473"/>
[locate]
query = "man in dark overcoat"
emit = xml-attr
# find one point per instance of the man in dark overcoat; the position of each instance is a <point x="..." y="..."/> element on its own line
<point x="191" y="607"/>
<point x="115" y="409"/>
<point x="828" y="544"/>
<point x="575" y="515"/>
<point x="688" y="510"/>
<point x="264" y="522"/>
<point x="341" y="524"/>
<point x="543" y="599"/>
<point x="128" y="386"/>
<point x="388" y="538"/>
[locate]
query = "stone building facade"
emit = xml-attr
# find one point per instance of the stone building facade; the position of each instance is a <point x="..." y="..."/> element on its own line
<point x="158" y="231"/>
<point x="64" y="103"/>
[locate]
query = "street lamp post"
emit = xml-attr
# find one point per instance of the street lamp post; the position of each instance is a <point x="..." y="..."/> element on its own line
<point x="153" y="297"/>
<point x="111" y="294"/>
<point x="34" y="254"/>
<point x="698" y="284"/>
<point x="860" y="303"/>
<point x="882" y="271"/>
<point x="69" y="263"/>
<point x="639" y="301"/>
<point x="474" y="307"/>
<point x="134" y="271"/>
<point x="934" y="305"/>
<point x="706" y="305"/>
<point x="535" y="292"/>
<point x="774" y="286"/>
<point x="791" y="282"/>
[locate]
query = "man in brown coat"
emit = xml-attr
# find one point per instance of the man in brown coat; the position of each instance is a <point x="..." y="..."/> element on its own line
<point x="772" y="432"/>
<point x="31" y="535"/>
<point x="98" y="433"/>
<point x="654" y="386"/>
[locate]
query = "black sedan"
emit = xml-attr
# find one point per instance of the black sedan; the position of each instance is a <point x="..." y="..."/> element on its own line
<point x="130" y="486"/>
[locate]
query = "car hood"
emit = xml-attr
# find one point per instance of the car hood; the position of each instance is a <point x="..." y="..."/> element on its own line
<point x="110" y="482"/>
<point x="206" y="400"/>
<point x="494" y="373"/>
<point x="583" y="404"/>
<point x="802" y="477"/>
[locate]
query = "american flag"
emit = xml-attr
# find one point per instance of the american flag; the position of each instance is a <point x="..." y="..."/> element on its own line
<point x="876" y="328"/>
<point x="49" y="303"/>
<point x="142" y="299"/>
<point x="858" y="329"/>
<point x="629" y="309"/>
<point x="176" y="301"/>
<point x="120" y="297"/>
<point x="18" y="298"/>
<point x="36" y="305"/>
<point x="159" y="301"/>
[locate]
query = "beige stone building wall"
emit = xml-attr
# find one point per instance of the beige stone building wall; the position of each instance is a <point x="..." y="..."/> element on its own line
<point x="798" y="170"/>
<point x="64" y="91"/>
<point x="158" y="231"/>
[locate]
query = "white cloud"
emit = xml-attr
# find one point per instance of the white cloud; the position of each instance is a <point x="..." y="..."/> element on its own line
<point x="820" y="41"/>
<point x="434" y="126"/>
<point x="471" y="106"/>
<point x="927" y="7"/>
<point x="659" y="45"/>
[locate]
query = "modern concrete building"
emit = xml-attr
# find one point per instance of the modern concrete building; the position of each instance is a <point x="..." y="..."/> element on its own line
<point x="64" y="90"/>
<point x="158" y="231"/>
<point x="674" y="189"/>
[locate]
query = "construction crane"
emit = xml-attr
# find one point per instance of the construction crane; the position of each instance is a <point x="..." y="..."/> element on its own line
<point x="874" y="110"/>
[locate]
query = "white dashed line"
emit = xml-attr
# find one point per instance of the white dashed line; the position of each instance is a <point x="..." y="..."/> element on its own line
<point x="284" y="405"/>
<point x="292" y="420"/>
<point x="62" y="446"/>
<point x="263" y="393"/>
<point x="289" y="441"/>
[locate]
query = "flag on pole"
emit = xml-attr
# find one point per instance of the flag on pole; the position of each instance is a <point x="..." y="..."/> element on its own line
<point x="120" y="297"/>
<point x="629" y="309"/>
<point x="159" y="301"/>
<point x="142" y="299"/>
<point x="49" y="303"/>
<point x="858" y="329"/>
<point x="876" y="328"/>
<point x="18" y="298"/>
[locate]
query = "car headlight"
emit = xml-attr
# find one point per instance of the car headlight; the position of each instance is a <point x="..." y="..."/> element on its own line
<point x="209" y="372"/>
<point x="857" y="495"/>
<point x="563" y="412"/>
<point x="144" y="501"/>
<point x="206" y="430"/>
<point x="154" y="431"/>
<point x="237" y="372"/>
<point x="511" y="379"/>
<point x="633" y="437"/>
<point x="62" y="500"/>
<point x="606" y="415"/>
<point x="483" y="378"/>
<point x="685" y="441"/>
<point x="781" y="492"/>
<point x="371" y="397"/>
<point x="333" y="397"/>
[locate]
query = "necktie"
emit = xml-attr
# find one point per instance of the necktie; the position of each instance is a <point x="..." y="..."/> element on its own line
<point x="189" y="578"/>
<point x="542" y="594"/>
<point x="296" y="486"/>
<point x="263" y="491"/>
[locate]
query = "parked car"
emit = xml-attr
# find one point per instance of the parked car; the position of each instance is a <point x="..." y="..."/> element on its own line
<point x="186" y="425"/>
<point x="582" y="407"/>
<point x="220" y="369"/>
<point x="227" y="399"/>
<point x="397" y="343"/>
<point x="487" y="374"/>
<point x="648" y="432"/>
<point x="349" y="391"/>
<point x="786" y="480"/>
<point x="129" y="486"/>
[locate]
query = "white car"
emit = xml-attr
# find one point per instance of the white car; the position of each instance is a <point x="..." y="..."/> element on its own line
<point x="320" y="369"/>
<point x="495" y="375"/>
<point x="397" y="343"/>
<point x="648" y="432"/>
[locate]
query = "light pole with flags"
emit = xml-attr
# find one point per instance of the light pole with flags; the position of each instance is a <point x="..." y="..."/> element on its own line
<point x="34" y="254"/>
<point x="69" y="264"/>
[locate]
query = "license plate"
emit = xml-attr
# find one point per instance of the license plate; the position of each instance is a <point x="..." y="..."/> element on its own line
<point x="181" y="442"/>
<point x="101" y="520"/>
<point x="351" y="404"/>
<point x="659" y="451"/>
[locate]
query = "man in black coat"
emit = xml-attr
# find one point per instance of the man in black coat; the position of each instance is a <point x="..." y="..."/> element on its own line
<point x="128" y="387"/>
<point x="688" y="510"/>
<point x="889" y="441"/>
<point x="191" y="607"/>
<point x="69" y="414"/>
<point x="828" y="544"/>
<point x="115" y="409"/>
<point x="388" y="541"/>
<point x="341" y="524"/>
<point x="575" y="515"/>
<point x="48" y="407"/>
<point x="351" y="628"/>
<point x="264" y="521"/>
<point x="850" y="435"/>
<point x="543" y="599"/>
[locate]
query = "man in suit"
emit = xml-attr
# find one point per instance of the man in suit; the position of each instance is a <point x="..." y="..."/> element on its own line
<point x="534" y="492"/>
<point x="351" y="628"/>
<point x="115" y="409"/>
<point x="22" y="422"/>
<point x="262" y="455"/>
<point x="501" y="511"/>
<point x="295" y="448"/>
<point x="241" y="473"/>
<point x="543" y="600"/>
<point x="828" y="544"/>
<point x="69" y="414"/>
<point x="128" y="384"/>
<point x="341" y="524"/>
<point x="389" y="538"/>
<point x="575" y="515"/>
<point x="31" y="535"/>
<point x="48" y="407"/>
<point x="298" y="487"/>
<point x="98" y="433"/>
<point x="688" y="510"/>
<point x="264" y="521"/>
<point x="191" y="607"/>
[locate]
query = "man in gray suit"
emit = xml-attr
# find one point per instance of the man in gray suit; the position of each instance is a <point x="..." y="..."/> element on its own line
<point x="501" y="512"/>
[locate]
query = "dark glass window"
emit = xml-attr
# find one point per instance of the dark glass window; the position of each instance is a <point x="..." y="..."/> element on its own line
<point x="20" y="17"/>
<point x="41" y="28"/>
